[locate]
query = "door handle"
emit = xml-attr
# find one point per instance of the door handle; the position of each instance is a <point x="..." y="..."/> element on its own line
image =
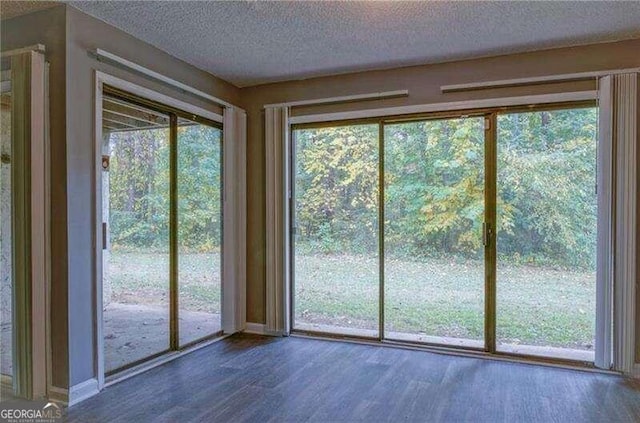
<point x="486" y="234"/>
<point x="104" y="235"/>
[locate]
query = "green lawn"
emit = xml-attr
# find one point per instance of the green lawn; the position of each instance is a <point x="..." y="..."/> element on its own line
<point x="536" y="306"/>
<point x="140" y="278"/>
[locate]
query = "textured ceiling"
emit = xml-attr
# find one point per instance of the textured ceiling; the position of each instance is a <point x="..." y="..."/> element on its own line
<point x="249" y="43"/>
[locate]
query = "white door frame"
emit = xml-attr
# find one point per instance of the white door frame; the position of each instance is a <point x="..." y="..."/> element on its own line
<point x="102" y="78"/>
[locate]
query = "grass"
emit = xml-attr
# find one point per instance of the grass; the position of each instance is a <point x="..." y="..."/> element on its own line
<point x="438" y="297"/>
<point x="141" y="278"/>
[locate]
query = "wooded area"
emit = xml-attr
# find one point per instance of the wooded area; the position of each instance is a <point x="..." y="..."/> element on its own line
<point x="434" y="188"/>
<point x="139" y="189"/>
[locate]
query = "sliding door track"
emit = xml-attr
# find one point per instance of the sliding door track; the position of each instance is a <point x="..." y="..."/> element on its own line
<point x="456" y="351"/>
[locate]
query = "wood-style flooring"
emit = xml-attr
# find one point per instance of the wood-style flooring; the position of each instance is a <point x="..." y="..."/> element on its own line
<point x="263" y="379"/>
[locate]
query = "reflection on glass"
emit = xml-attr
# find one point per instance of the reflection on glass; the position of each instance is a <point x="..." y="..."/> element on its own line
<point x="434" y="209"/>
<point x="136" y="260"/>
<point x="6" y="244"/>
<point x="199" y="230"/>
<point x="336" y="239"/>
<point x="547" y="233"/>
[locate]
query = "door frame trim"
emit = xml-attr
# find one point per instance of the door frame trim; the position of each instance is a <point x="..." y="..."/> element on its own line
<point x="100" y="79"/>
<point x="490" y="233"/>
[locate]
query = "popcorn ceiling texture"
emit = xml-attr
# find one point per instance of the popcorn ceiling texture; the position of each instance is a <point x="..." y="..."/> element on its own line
<point x="257" y="42"/>
<point x="250" y="43"/>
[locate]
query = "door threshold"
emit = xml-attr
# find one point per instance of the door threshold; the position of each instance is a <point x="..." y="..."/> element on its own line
<point x="463" y="352"/>
<point x="158" y="361"/>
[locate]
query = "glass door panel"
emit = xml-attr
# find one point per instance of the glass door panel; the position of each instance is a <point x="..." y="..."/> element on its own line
<point x="6" y="243"/>
<point x="546" y="244"/>
<point x="336" y="278"/>
<point x="199" y="230"/>
<point x="136" y="213"/>
<point x="434" y="209"/>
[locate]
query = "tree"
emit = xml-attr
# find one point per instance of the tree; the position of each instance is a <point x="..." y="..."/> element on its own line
<point x="434" y="187"/>
<point x="139" y="188"/>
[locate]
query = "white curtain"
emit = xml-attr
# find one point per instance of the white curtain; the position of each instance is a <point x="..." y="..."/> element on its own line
<point x="617" y="203"/>
<point x="277" y="196"/>
<point x="235" y="211"/>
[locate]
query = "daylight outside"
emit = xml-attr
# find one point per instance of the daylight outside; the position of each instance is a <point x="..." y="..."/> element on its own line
<point x="434" y="205"/>
<point x="136" y="207"/>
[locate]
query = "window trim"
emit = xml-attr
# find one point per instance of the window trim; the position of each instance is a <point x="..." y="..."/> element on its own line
<point x="442" y="108"/>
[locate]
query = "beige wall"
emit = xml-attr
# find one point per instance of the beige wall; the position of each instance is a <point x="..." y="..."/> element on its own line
<point x="423" y="83"/>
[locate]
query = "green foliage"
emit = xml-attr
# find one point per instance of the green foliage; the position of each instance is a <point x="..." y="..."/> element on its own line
<point x="546" y="173"/>
<point x="199" y="188"/>
<point x="434" y="188"/>
<point x="138" y="193"/>
<point x="434" y="175"/>
<point x="337" y="188"/>
<point x="139" y="189"/>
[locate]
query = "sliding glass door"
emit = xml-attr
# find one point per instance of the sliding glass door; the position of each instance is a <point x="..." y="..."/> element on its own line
<point x="433" y="210"/>
<point x="162" y="213"/>
<point x="485" y="238"/>
<point x="136" y="209"/>
<point x="6" y="238"/>
<point x="336" y="241"/>
<point x="199" y="196"/>
<point x="547" y="212"/>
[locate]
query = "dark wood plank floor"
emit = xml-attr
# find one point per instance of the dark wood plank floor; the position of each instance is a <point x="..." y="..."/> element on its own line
<point x="260" y="379"/>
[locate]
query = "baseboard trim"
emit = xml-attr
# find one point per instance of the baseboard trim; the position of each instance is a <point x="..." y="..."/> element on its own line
<point x="83" y="391"/>
<point x="256" y="328"/>
<point x="260" y="329"/>
<point x="636" y="371"/>
<point x="57" y="394"/>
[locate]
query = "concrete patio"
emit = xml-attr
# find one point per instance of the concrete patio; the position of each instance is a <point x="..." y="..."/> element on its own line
<point x="133" y="332"/>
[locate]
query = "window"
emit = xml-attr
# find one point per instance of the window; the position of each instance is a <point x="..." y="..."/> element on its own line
<point x="485" y="237"/>
<point x="546" y="227"/>
<point x="336" y="234"/>
<point x="162" y="213"/>
<point x="199" y="231"/>
<point x="434" y="209"/>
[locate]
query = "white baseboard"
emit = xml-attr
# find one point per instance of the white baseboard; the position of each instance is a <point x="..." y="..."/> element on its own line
<point x="260" y="329"/>
<point x="636" y="370"/>
<point x="82" y="391"/>
<point x="58" y="394"/>
<point x="256" y="328"/>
